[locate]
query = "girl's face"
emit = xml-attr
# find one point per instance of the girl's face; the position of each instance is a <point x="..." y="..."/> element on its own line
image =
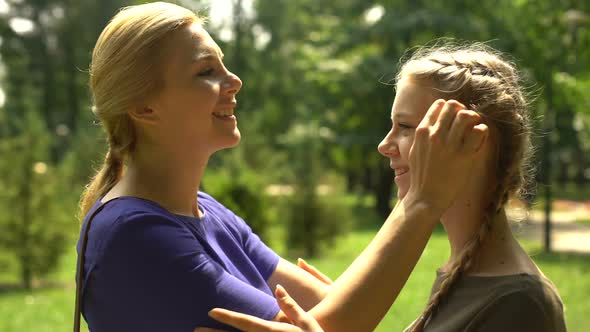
<point x="195" y="109"/>
<point x="411" y="103"/>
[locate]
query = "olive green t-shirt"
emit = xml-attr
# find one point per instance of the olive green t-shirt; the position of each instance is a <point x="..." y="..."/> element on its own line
<point x="510" y="303"/>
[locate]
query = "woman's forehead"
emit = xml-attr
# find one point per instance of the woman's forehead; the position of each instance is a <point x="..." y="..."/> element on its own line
<point x="192" y="44"/>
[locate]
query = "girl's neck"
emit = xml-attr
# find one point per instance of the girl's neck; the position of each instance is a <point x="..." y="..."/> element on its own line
<point x="498" y="254"/>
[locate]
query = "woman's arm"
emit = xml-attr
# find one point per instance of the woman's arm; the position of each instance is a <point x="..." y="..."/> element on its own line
<point x="444" y="146"/>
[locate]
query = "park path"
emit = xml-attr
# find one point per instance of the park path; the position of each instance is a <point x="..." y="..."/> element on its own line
<point x="567" y="234"/>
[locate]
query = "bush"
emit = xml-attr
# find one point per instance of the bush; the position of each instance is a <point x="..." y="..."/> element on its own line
<point x="243" y="193"/>
<point x="35" y="212"/>
<point x="314" y="222"/>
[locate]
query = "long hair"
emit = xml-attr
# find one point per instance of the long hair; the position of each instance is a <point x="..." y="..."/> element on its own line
<point x="125" y="70"/>
<point x="480" y="78"/>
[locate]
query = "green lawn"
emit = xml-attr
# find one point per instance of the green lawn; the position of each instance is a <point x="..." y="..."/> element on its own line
<point x="51" y="309"/>
<point x="585" y="222"/>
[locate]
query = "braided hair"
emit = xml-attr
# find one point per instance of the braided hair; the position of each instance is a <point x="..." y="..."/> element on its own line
<point x="479" y="77"/>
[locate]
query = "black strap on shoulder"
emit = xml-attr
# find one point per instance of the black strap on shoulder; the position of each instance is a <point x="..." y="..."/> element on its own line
<point x="80" y="276"/>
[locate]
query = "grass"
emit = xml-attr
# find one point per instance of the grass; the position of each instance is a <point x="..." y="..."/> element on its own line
<point x="585" y="222"/>
<point x="570" y="273"/>
<point x="50" y="309"/>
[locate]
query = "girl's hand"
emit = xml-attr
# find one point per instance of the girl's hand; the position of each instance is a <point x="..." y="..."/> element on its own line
<point x="301" y="321"/>
<point x="313" y="271"/>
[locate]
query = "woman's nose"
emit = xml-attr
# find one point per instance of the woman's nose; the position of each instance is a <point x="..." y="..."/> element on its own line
<point x="232" y="84"/>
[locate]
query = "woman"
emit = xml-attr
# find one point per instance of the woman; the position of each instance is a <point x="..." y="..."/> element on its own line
<point x="489" y="282"/>
<point x="156" y="254"/>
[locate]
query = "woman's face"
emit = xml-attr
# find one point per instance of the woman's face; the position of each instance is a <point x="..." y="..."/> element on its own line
<point x="411" y="103"/>
<point x="196" y="106"/>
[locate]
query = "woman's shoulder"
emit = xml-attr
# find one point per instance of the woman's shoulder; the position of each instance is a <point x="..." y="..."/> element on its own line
<point x="127" y="211"/>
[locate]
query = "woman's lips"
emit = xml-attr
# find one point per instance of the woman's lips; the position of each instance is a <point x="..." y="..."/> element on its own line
<point x="400" y="171"/>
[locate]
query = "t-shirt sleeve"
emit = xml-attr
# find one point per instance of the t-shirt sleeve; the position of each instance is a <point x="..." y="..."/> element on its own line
<point x="514" y="312"/>
<point x="164" y="281"/>
<point x="264" y="258"/>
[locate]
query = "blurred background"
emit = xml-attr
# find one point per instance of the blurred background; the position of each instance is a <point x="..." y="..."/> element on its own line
<point x="315" y="103"/>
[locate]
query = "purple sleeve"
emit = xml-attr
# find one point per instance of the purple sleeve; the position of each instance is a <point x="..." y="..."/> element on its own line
<point x="163" y="280"/>
<point x="264" y="258"/>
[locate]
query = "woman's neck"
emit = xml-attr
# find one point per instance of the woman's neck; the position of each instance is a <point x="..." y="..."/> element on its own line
<point x="169" y="180"/>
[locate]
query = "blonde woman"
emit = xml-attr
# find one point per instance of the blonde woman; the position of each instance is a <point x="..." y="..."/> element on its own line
<point x="489" y="283"/>
<point x="156" y="254"/>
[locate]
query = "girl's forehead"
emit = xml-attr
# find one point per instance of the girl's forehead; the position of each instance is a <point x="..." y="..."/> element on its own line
<point x="412" y="99"/>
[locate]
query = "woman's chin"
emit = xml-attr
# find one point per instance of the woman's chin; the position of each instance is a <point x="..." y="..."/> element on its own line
<point x="401" y="193"/>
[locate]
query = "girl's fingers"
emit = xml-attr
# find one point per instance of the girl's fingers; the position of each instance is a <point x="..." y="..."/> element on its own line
<point x="240" y="321"/>
<point x="289" y="306"/>
<point x="295" y="313"/>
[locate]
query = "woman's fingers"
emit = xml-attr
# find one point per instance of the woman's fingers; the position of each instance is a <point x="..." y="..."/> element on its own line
<point x="313" y="271"/>
<point x="432" y="113"/>
<point x="475" y="138"/>
<point x="461" y="126"/>
<point x="442" y="153"/>
<point x="447" y="115"/>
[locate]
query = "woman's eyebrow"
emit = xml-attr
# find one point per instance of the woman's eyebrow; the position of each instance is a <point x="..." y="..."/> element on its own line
<point x="204" y="56"/>
<point x="208" y="55"/>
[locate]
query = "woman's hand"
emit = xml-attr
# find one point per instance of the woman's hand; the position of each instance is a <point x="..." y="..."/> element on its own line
<point x="445" y="144"/>
<point x="301" y="321"/>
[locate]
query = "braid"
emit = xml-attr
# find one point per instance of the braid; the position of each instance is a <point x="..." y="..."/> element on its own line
<point x="464" y="263"/>
<point x="109" y="174"/>
<point x="477" y="76"/>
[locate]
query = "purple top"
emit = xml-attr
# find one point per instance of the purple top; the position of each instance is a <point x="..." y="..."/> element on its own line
<point x="147" y="269"/>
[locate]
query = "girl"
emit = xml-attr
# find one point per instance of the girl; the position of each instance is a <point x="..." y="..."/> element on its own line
<point x="489" y="282"/>
<point x="155" y="254"/>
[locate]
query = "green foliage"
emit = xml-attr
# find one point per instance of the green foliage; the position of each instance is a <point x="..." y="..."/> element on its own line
<point x="36" y="215"/>
<point x="314" y="223"/>
<point x="243" y="193"/>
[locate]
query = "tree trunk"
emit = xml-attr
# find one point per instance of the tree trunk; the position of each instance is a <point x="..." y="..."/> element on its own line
<point x="383" y="190"/>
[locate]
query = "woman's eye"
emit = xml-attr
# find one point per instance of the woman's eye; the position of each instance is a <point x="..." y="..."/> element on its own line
<point x="404" y="126"/>
<point x="206" y="72"/>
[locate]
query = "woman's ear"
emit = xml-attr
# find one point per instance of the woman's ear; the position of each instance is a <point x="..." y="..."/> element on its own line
<point x="144" y="115"/>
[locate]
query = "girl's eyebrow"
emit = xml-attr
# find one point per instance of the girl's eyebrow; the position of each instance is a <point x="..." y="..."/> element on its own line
<point x="403" y="115"/>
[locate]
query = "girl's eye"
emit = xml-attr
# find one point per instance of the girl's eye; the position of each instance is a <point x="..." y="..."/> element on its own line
<point x="206" y="72"/>
<point x="404" y="126"/>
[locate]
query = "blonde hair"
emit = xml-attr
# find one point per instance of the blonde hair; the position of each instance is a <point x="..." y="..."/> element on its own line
<point x="480" y="78"/>
<point x="125" y="70"/>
